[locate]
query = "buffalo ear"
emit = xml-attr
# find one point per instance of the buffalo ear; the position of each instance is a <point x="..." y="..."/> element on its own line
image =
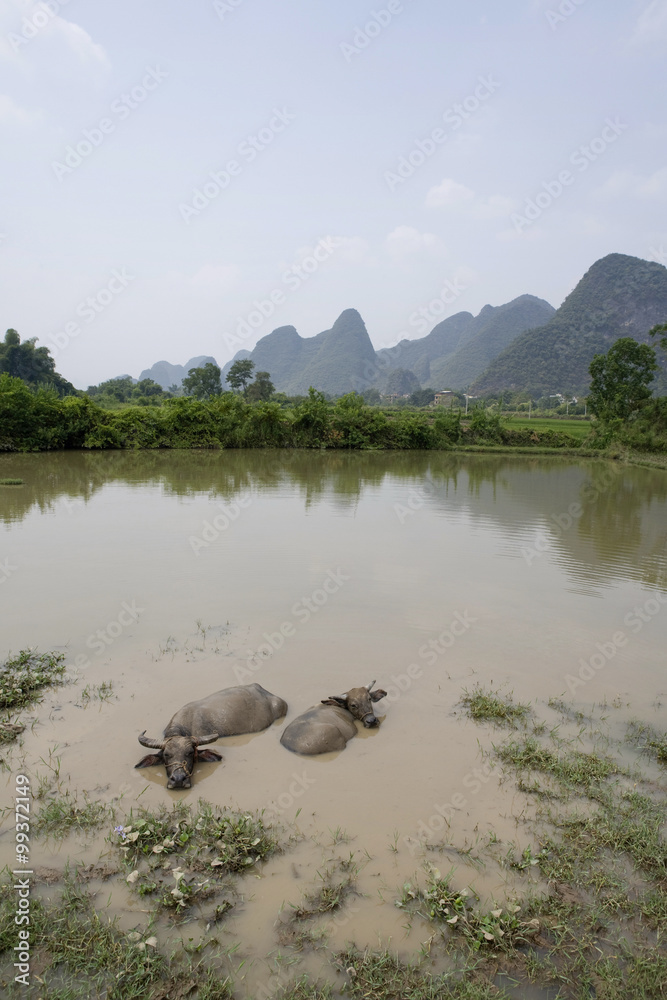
<point x="209" y="755"/>
<point x="150" y="759"/>
<point x="376" y="695"/>
<point x="335" y="699"/>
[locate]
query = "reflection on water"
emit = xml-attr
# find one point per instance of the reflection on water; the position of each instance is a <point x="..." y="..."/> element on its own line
<point x="599" y="519"/>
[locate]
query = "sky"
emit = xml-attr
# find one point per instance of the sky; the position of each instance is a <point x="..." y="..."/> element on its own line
<point x="181" y="177"/>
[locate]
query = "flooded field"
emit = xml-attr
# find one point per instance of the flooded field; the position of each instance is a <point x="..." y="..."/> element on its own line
<point x="165" y="577"/>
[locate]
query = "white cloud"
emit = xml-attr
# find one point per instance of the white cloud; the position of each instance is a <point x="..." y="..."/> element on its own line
<point x="11" y="113"/>
<point x="35" y="21"/>
<point x="406" y="240"/>
<point x="652" y="23"/>
<point x="448" y="193"/>
<point x="80" y="42"/>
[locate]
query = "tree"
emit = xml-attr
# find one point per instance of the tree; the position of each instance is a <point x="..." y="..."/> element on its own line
<point x="261" y="389"/>
<point x="422" y="397"/>
<point x="240" y="374"/>
<point x="660" y="331"/>
<point x="203" y="383"/>
<point x="620" y="379"/>
<point x="32" y="364"/>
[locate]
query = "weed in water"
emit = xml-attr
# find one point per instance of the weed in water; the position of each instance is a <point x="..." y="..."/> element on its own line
<point x="574" y="767"/>
<point x="648" y="739"/>
<point x="22" y="677"/>
<point x="487" y="706"/>
<point x="63" y="814"/>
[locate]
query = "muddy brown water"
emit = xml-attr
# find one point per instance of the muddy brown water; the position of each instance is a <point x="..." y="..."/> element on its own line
<point x="172" y="575"/>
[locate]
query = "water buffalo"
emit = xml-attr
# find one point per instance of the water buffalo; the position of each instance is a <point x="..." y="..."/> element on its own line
<point x="330" y="725"/>
<point x="245" y="709"/>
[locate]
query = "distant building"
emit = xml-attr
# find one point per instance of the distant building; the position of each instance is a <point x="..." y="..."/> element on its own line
<point x="443" y="397"/>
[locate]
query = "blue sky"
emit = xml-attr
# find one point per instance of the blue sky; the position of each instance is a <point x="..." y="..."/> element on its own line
<point x="180" y="178"/>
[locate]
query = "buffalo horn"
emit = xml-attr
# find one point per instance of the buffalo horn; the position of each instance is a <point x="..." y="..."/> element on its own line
<point x="208" y="739"/>
<point x="369" y="686"/>
<point x="153" y="744"/>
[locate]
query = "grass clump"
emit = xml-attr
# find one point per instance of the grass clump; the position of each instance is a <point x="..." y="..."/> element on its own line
<point x="500" y="928"/>
<point x="574" y="767"/>
<point x="648" y="739"/>
<point x="237" y="840"/>
<point x="204" y="847"/>
<point x="630" y="825"/>
<point x="87" y="951"/>
<point x="63" y="815"/>
<point x="11" y="482"/>
<point x="303" y="989"/>
<point x="379" y="975"/>
<point x="487" y="706"/>
<point x="22" y="677"/>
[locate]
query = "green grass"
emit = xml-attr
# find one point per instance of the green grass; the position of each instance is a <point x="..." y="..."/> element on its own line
<point x="84" y="955"/>
<point x="579" y="429"/>
<point x="488" y="706"/>
<point x="11" y="482"/>
<point x="381" y="975"/>
<point x="63" y="815"/>
<point x="181" y="857"/>
<point x="303" y="989"/>
<point x="648" y="739"/>
<point x="501" y="928"/>
<point x="22" y="677"/>
<point x="572" y="767"/>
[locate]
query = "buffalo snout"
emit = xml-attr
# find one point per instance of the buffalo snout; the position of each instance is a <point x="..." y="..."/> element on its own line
<point x="179" y="779"/>
<point x="370" y="721"/>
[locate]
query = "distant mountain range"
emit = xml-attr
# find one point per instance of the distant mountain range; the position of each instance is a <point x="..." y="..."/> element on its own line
<point x="525" y="344"/>
<point x="619" y="296"/>
<point x="166" y="374"/>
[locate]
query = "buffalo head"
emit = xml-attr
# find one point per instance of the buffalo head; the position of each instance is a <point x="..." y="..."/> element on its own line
<point x="359" y="703"/>
<point x="178" y="752"/>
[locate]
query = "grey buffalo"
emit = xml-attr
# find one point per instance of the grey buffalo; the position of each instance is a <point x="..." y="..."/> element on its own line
<point x="245" y="709"/>
<point x="329" y="725"/>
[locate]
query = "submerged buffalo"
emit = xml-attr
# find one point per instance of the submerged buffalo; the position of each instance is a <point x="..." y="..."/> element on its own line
<point x="245" y="709"/>
<point x="330" y="725"/>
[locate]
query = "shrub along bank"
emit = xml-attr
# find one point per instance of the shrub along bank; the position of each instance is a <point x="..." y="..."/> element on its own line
<point x="41" y="421"/>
